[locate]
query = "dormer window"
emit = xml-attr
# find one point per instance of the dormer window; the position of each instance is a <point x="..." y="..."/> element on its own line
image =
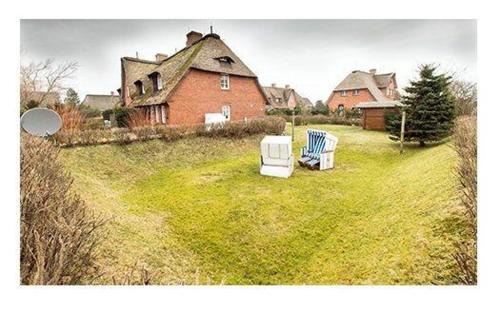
<point x="225" y="59"/>
<point x="224" y="82"/>
<point x="139" y="87"/>
<point x="343" y="93"/>
<point x="156" y="81"/>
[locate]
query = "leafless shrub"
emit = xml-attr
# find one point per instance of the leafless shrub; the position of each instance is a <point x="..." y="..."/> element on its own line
<point x="136" y="276"/>
<point x="58" y="233"/>
<point x="46" y="76"/>
<point x="240" y="129"/>
<point x="138" y="119"/>
<point x="465" y="94"/>
<point x="72" y="119"/>
<point x="466" y="148"/>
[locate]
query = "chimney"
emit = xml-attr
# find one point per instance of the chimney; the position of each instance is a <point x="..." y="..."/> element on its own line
<point x="273" y="84"/>
<point x="287" y="86"/>
<point x="160" y="57"/>
<point x="192" y="37"/>
<point x="373" y="71"/>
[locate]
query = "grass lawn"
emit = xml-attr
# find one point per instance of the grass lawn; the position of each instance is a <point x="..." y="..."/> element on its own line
<point x="197" y="211"/>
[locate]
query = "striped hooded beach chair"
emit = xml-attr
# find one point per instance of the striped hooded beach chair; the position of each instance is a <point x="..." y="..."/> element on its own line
<point x="318" y="153"/>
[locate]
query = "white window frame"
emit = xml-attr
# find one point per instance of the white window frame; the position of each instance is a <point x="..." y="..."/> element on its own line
<point x="159" y="84"/>
<point x="224" y="82"/>
<point x="356" y="92"/>
<point x="163" y="114"/>
<point x="226" y="111"/>
<point x="343" y="93"/>
<point x="157" y="114"/>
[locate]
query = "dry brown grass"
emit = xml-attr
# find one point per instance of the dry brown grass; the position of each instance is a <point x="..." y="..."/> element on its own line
<point x="58" y="233"/>
<point x="138" y="118"/>
<point x="466" y="148"/>
<point x="73" y="120"/>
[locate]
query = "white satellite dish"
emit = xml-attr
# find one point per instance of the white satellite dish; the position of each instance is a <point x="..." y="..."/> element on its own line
<point x="41" y="121"/>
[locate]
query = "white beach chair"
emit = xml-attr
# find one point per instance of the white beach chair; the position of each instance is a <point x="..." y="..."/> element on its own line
<point x="319" y="151"/>
<point x="276" y="157"/>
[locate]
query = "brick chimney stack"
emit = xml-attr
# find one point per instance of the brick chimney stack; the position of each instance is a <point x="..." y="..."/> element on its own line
<point x="273" y="84"/>
<point x="287" y="86"/>
<point x="373" y="71"/>
<point x="192" y="37"/>
<point x="160" y="57"/>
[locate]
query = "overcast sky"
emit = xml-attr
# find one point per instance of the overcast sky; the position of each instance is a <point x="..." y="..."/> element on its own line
<point x="312" y="56"/>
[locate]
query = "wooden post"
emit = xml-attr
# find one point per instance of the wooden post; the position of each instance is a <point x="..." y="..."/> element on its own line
<point x="293" y="124"/>
<point x="402" y="136"/>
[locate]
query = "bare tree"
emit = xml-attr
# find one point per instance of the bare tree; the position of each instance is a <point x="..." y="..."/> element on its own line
<point x="46" y="76"/>
<point x="465" y="94"/>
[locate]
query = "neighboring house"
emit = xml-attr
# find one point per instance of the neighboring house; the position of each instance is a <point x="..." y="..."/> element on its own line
<point x="360" y="86"/>
<point x="101" y="102"/>
<point x="203" y="77"/>
<point x="44" y="99"/>
<point x="284" y="97"/>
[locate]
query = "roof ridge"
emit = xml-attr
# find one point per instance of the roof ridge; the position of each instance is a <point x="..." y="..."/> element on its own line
<point x="139" y="60"/>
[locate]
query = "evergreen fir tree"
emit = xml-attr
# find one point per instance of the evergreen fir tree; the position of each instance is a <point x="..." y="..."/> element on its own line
<point x="72" y="98"/>
<point x="429" y="107"/>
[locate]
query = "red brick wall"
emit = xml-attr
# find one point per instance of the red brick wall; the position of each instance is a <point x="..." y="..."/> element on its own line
<point x="350" y="100"/>
<point x="199" y="93"/>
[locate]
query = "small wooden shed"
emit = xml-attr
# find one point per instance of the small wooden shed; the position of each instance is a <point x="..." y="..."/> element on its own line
<point x="373" y="113"/>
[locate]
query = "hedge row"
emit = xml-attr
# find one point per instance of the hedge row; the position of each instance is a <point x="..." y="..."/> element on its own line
<point x="267" y="125"/>
<point x="321" y="119"/>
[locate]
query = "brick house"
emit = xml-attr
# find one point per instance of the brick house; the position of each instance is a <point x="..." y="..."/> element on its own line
<point x="284" y="97"/>
<point x="204" y="77"/>
<point x="360" y="86"/>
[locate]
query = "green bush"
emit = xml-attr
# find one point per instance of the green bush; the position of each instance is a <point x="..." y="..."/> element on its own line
<point x="322" y="119"/>
<point x="283" y="111"/>
<point x="106" y="114"/>
<point x="122" y="115"/>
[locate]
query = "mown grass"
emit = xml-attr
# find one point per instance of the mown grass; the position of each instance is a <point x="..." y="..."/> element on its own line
<point x="198" y="211"/>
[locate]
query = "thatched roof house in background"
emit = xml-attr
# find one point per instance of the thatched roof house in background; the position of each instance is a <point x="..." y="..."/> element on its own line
<point x="360" y="86"/>
<point x="101" y="102"/>
<point x="284" y="97"/>
<point x="204" y="77"/>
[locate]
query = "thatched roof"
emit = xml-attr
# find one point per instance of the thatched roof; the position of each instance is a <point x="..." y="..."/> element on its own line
<point x="282" y="94"/>
<point x="204" y="54"/>
<point x="101" y="102"/>
<point x="304" y="101"/>
<point x="364" y="80"/>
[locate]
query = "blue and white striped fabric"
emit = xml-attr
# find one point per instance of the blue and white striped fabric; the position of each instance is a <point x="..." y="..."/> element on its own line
<point x="316" y="144"/>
